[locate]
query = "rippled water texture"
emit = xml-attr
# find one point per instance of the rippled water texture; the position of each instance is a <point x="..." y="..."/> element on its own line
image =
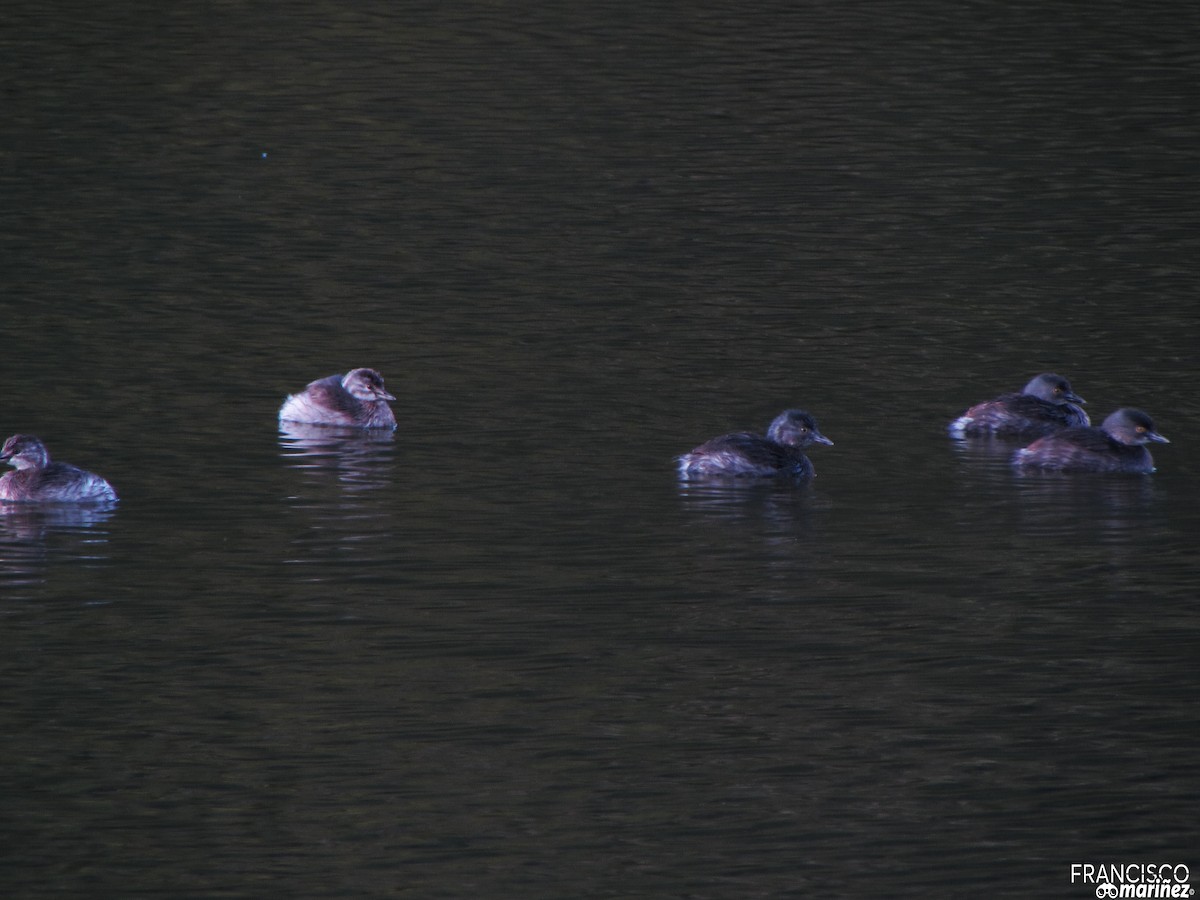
<point x="504" y="652"/>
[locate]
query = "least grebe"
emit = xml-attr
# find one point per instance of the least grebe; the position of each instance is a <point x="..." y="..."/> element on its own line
<point x="1118" y="445"/>
<point x="1045" y="405"/>
<point x="38" y="480"/>
<point x="744" y="453"/>
<point x="357" y="399"/>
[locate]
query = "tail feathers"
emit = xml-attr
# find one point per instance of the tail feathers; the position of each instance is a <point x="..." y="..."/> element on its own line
<point x="958" y="428"/>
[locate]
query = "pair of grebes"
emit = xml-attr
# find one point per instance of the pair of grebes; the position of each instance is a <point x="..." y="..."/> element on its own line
<point x="357" y="399"/>
<point x="1047" y="409"/>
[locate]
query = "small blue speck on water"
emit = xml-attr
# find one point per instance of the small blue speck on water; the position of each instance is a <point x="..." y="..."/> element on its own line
<point x="264" y="156"/>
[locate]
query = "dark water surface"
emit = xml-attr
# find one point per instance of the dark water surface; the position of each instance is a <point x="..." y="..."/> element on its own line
<point x="504" y="653"/>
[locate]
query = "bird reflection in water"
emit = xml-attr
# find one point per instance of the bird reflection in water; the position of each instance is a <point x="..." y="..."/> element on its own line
<point x="340" y="472"/>
<point x="784" y="503"/>
<point x="359" y="458"/>
<point x="34" y="536"/>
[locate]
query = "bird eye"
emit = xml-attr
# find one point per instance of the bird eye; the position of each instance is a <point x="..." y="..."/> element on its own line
<point x="1141" y="429"/>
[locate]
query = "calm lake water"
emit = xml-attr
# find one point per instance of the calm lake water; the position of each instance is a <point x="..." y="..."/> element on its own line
<point x="505" y="652"/>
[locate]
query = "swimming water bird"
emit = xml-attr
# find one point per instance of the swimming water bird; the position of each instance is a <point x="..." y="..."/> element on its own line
<point x="1118" y="445"/>
<point x="1045" y="405"/>
<point x="38" y="480"/>
<point x="357" y="399"/>
<point x="745" y="454"/>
